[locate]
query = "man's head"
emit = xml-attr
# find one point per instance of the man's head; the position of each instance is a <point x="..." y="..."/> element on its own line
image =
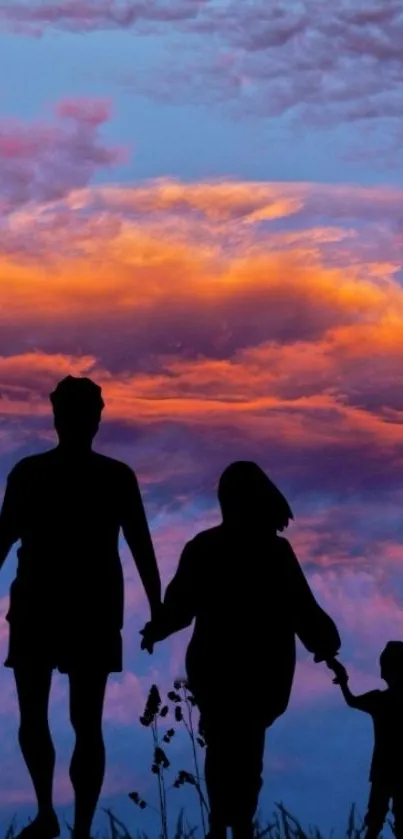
<point x="77" y="407"/>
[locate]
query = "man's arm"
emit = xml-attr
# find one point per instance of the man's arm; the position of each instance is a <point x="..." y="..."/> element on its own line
<point x="314" y="627"/>
<point x="9" y="531"/>
<point x="137" y="534"/>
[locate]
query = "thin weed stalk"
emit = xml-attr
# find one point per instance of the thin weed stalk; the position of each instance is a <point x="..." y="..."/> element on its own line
<point x="152" y="712"/>
<point x="181" y="695"/>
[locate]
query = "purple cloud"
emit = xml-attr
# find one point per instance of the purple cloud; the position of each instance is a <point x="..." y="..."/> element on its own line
<point x="44" y="161"/>
<point x="315" y="64"/>
<point x="89" y="15"/>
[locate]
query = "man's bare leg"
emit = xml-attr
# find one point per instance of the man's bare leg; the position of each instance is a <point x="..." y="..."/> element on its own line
<point x="87" y="768"/>
<point x="33" y="689"/>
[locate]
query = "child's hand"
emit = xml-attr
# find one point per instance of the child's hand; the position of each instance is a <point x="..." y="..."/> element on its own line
<point x="339" y="670"/>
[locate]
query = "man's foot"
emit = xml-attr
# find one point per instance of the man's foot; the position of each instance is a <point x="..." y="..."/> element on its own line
<point x="43" y="827"/>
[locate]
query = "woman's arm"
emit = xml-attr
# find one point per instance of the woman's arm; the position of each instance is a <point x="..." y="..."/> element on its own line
<point x="315" y="629"/>
<point x="179" y="606"/>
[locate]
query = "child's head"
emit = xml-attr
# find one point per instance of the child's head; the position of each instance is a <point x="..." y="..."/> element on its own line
<point x="391" y="661"/>
<point x="246" y="494"/>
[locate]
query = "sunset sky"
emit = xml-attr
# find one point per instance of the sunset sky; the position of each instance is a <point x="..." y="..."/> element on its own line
<point x="201" y="207"/>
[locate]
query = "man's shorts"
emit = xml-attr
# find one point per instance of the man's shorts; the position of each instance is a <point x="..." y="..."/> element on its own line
<point x="87" y="647"/>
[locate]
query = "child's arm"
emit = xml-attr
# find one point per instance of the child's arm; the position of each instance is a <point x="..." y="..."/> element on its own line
<point x="342" y="679"/>
<point x="363" y="702"/>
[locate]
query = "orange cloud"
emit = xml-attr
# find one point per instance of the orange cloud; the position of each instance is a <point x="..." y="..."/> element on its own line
<point x="193" y="311"/>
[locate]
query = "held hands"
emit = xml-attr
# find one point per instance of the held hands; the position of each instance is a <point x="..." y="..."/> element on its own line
<point x="339" y="671"/>
<point x="149" y="631"/>
<point x="325" y="655"/>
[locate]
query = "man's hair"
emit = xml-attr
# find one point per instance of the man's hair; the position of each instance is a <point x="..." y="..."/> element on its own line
<point x="244" y="486"/>
<point x="74" y="392"/>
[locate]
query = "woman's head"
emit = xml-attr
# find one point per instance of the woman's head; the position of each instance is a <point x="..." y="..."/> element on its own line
<point x="246" y="493"/>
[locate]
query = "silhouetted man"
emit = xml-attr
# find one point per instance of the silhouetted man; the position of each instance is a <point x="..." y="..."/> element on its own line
<point x="243" y="587"/>
<point x="67" y="507"/>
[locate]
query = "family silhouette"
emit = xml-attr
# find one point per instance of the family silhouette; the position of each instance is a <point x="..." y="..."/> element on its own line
<point x="239" y="583"/>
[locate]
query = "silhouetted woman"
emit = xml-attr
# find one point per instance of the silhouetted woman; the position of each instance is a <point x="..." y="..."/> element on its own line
<point x="243" y="585"/>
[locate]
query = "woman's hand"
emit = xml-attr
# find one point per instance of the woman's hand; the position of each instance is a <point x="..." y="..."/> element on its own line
<point x="339" y="671"/>
<point x="147" y="642"/>
<point x="324" y="655"/>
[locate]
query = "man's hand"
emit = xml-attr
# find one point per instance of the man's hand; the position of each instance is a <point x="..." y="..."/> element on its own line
<point x="339" y="671"/>
<point x="147" y="642"/>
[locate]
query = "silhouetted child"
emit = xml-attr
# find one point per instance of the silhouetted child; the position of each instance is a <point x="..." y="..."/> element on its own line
<point x="243" y="585"/>
<point x="386" y="710"/>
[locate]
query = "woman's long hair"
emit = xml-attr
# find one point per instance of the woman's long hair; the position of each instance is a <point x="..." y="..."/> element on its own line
<point x="246" y="493"/>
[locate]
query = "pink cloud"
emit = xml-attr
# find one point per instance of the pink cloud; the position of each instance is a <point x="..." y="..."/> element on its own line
<point x="45" y="161"/>
<point x="118" y="780"/>
<point x="89" y="15"/>
<point x="125" y="699"/>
